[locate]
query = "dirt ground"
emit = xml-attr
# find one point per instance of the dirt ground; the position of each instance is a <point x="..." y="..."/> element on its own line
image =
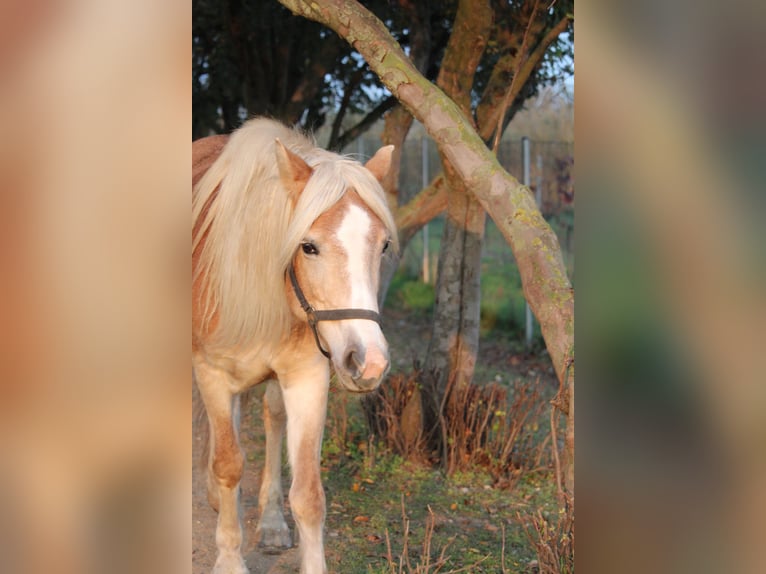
<point x="408" y="340"/>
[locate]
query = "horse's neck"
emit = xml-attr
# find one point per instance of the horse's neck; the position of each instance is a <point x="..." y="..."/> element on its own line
<point x="204" y="152"/>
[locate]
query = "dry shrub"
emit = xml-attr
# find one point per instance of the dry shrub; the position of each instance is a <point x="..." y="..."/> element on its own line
<point x="488" y="426"/>
<point x="553" y="540"/>
<point x="394" y="415"/>
<point x="493" y="427"/>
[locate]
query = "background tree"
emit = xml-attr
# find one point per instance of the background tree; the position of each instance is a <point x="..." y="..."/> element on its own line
<point x="256" y="58"/>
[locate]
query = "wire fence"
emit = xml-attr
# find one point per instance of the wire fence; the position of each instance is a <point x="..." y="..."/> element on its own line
<point x="551" y="171"/>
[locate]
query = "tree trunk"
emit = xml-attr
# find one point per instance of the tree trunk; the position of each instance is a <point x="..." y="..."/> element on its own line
<point x="454" y="343"/>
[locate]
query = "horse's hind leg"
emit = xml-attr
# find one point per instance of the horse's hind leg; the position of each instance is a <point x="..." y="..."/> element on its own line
<point x="225" y="466"/>
<point x="272" y="529"/>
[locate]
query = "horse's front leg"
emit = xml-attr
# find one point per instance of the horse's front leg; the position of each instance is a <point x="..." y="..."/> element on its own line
<point x="225" y="465"/>
<point x="272" y="531"/>
<point x="305" y="398"/>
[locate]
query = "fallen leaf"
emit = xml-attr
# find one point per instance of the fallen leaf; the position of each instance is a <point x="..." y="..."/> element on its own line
<point x="362" y="518"/>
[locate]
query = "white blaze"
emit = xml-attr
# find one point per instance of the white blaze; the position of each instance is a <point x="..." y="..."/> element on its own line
<point x="354" y="235"/>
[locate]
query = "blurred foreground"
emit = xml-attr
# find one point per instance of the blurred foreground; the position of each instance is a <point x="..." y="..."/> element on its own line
<point x="95" y="404"/>
<point x="670" y="314"/>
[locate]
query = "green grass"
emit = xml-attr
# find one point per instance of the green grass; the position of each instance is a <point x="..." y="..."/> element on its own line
<point x="414" y="295"/>
<point x="368" y="491"/>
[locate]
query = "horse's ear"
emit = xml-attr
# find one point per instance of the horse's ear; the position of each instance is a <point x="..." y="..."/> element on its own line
<point x="380" y="163"/>
<point x="293" y="171"/>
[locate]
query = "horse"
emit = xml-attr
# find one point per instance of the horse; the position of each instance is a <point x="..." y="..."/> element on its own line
<point x="287" y="244"/>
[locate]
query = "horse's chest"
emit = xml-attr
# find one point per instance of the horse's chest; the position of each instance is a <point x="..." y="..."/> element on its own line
<point x="243" y="371"/>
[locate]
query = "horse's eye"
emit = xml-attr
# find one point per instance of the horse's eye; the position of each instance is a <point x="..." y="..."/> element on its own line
<point x="309" y="248"/>
<point x="386" y="245"/>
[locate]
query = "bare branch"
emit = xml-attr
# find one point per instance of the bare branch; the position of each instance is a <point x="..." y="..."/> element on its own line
<point x="491" y="106"/>
<point x="515" y="84"/>
<point x="354" y="132"/>
<point x="352" y="85"/>
<point x="427" y="204"/>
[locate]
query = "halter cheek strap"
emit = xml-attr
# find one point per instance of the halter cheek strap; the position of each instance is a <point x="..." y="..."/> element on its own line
<point x="315" y="316"/>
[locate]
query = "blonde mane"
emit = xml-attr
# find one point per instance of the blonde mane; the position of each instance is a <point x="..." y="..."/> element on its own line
<point x="247" y="230"/>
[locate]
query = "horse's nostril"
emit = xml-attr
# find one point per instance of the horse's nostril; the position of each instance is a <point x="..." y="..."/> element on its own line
<point x="353" y="363"/>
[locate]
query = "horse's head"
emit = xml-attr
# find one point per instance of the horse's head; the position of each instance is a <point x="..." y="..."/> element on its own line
<point x="337" y="273"/>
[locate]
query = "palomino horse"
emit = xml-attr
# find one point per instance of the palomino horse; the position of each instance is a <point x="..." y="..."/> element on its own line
<point x="286" y="249"/>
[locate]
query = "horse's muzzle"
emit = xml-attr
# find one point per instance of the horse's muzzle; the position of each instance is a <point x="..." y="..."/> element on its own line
<point x="364" y="368"/>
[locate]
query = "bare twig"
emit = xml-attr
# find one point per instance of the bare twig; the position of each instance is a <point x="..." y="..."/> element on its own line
<point x="502" y="550"/>
<point x="555" y="448"/>
<point x="510" y="95"/>
<point x="363" y="125"/>
<point x="405" y="557"/>
<point x="389" y="555"/>
<point x="553" y="541"/>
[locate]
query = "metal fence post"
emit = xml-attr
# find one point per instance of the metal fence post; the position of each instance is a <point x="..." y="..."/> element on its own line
<point x="539" y="181"/>
<point x="360" y="148"/>
<point x="526" y="180"/>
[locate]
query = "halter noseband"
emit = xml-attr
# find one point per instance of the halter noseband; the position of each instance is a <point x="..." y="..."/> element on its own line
<point x="314" y="316"/>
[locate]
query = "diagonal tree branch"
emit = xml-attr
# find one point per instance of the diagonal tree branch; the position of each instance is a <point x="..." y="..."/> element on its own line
<point x="427" y="204"/>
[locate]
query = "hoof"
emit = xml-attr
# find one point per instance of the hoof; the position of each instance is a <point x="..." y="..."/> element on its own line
<point x="273" y="540"/>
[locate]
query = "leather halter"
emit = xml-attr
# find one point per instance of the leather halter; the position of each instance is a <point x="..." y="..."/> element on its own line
<point x="314" y="316"/>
